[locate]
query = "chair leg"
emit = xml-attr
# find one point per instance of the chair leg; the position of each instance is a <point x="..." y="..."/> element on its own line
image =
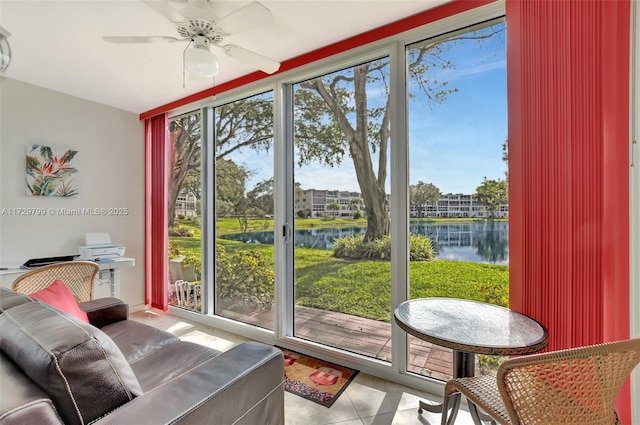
<point x="445" y="410"/>
<point x="453" y="402"/>
<point x="455" y="408"/>
<point x="475" y="415"/>
<point x="479" y="417"/>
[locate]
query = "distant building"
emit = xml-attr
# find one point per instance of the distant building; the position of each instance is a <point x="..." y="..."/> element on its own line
<point x="320" y="203"/>
<point x="186" y="205"/>
<point x="331" y="203"/>
<point x="456" y="205"/>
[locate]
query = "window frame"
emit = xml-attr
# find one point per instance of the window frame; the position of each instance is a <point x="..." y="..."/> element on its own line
<point x="281" y="84"/>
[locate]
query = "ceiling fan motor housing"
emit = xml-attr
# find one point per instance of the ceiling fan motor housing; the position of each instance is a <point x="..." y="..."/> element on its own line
<point x="200" y="27"/>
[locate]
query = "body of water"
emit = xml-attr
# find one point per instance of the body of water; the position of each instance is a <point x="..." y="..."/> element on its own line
<point x="478" y="242"/>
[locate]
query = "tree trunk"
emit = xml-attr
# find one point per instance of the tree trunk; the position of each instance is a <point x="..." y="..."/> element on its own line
<point x="181" y="159"/>
<point x="372" y="187"/>
<point x="171" y="197"/>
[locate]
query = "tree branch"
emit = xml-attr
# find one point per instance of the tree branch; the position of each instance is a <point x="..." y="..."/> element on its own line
<point x="242" y="144"/>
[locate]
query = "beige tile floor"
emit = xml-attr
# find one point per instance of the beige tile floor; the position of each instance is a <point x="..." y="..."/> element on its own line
<point x="368" y="400"/>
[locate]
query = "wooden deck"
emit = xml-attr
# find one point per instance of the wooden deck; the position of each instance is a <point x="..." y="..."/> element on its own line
<point x="363" y="336"/>
<point x="370" y="338"/>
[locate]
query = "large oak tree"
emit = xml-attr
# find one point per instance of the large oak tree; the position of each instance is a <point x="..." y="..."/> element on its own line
<point x="349" y="112"/>
<point x="343" y="113"/>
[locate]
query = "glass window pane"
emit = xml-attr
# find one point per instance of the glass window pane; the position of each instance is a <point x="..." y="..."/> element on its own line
<point x="184" y="215"/>
<point x="458" y="183"/>
<point x="342" y="242"/>
<point x="244" y="258"/>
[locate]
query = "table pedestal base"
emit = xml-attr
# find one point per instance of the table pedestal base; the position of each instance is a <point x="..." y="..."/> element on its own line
<point x="453" y="405"/>
<point x="464" y="365"/>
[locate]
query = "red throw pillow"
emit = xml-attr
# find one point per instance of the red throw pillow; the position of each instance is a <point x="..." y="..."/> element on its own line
<point x="59" y="296"/>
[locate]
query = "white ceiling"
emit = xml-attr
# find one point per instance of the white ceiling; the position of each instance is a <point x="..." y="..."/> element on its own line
<point x="58" y="44"/>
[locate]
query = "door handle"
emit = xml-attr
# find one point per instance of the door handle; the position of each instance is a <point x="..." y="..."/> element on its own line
<point x="287" y="230"/>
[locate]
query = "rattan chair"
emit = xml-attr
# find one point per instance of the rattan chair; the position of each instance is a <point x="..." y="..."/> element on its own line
<point x="574" y="386"/>
<point x="78" y="275"/>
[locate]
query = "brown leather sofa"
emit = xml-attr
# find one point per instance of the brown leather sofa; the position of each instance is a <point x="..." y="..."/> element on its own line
<point x="57" y="369"/>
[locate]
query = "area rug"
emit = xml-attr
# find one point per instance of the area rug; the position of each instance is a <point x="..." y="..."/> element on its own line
<point x="314" y="379"/>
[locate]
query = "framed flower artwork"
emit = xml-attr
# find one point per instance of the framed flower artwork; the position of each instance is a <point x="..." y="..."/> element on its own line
<point x="50" y="171"/>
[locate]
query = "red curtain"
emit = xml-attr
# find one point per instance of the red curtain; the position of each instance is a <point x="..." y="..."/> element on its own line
<point x="568" y="84"/>
<point x="156" y="175"/>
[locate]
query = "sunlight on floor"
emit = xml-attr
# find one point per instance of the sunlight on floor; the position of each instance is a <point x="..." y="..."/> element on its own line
<point x="368" y="400"/>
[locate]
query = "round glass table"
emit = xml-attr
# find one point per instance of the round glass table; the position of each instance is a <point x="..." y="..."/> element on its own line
<point x="469" y="328"/>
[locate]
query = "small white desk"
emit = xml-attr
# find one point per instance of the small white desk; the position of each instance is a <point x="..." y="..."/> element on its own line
<point x="110" y="268"/>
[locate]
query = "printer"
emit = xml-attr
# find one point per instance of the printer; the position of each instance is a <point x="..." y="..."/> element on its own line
<point x="98" y="246"/>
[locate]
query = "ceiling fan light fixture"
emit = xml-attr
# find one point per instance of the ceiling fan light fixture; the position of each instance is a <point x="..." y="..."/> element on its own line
<point x="199" y="60"/>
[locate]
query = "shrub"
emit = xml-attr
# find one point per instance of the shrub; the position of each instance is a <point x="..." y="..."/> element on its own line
<point x="356" y="248"/>
<point x="304" y="213"/>
<point x="489" y="364"/>
<point x="350" y="247"/>
<point x="174" y="251"/>
<point x="244" y="277"/>
<point x="179" y="231"/>
<point x="420" y="248"/>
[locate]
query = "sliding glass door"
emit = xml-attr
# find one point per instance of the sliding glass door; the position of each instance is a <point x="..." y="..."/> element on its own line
<point x="342" y="254"/>
<point x="244" y="207"/>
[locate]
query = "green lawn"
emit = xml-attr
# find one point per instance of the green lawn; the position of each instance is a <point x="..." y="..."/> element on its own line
<point x="363" y="287"/>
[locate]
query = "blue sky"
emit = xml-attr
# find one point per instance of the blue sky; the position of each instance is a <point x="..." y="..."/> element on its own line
<point x="456" y="144"/>
<point x="453" y="145"/>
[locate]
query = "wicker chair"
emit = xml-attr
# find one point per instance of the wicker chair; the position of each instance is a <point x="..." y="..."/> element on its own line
<point x="574" y="386"/>
<point x="78" y="275"/>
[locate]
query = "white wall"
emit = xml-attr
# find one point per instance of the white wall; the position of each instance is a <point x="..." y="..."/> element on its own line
<point x="110" y="163"/>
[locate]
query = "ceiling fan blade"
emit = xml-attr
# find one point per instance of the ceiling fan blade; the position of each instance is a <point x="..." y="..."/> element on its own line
<point x="247" y="17"/>
<point x="197" y="10"/>
<point x="164" y="9"/>
<point x="134" y="39"/>
<point x="258" y="61"/>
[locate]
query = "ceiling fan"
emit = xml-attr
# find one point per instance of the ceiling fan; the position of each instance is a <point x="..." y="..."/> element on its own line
<point x="198" y="24"/>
